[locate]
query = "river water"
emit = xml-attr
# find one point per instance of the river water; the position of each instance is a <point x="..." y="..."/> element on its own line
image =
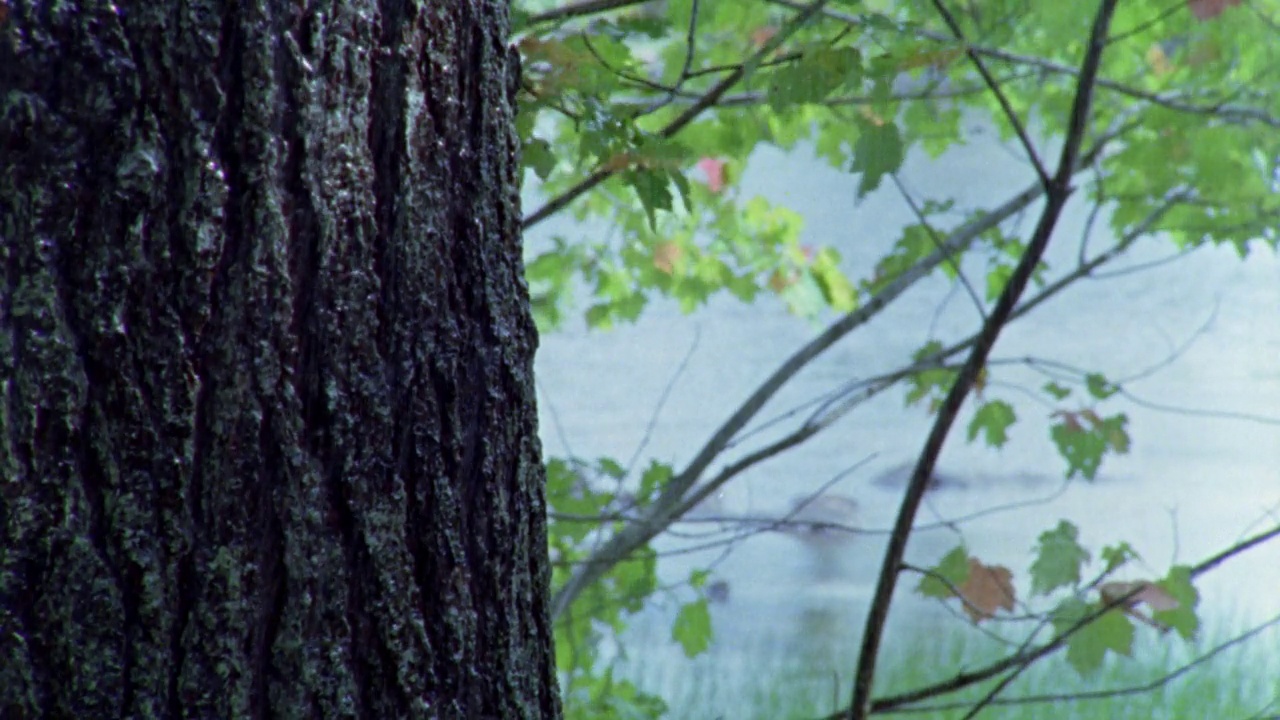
<point x="1195" y="340"/>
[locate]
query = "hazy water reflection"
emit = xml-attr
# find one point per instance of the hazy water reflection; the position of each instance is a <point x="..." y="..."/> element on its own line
<point x="1191" y="485"/>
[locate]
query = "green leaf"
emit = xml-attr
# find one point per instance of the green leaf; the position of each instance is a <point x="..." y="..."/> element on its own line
<point x="653" y="191"/>
<point x="1116" y="555"/>
<point x="813" y="77"/>
<point x="997" y="279"/>
<point x="682" y="185"/>
<point x="1183" y="618"/>
<point x="928" y="350"/>
<point x="634" y="581"/>
<point x="878" y="152"/>
<point x="1059" y="559"/>
<point x="538" y="157"/>
<point x="1081" y="448"/>
<point x="914" y="245"/>
<point x="1099" y="387"/>
<point x="611" y="468"/>
<point x="953" y="568"/>
<point x="1057" y="391"/>
<point x="692" y="628"/>
<point x="804" y="297"/>
<point x="655" y="478"/>
<point x="1088" y="646"/>
<point x="930" y="383"/>
<point x="698" y="578"/>
<point x="993" y="420"/>
<point x="598" y="316"/>
<point x="836" y="288"/>
<point x="1114" y="430"/>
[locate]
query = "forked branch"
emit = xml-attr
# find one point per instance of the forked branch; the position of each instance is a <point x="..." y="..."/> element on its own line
<point x="1058" y="191"/>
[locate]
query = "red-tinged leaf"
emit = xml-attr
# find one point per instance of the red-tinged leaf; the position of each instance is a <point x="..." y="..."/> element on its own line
<point x="762" y="35"/>
<point x="1069" y="420"/>
<point x="620" y="161"/>
<point x="714" y="170"/>
<point x="1156" y="597"/>
<point x="1208" y="9"/>
<point x="781" y="280"/>
<point x="665" y="256"/>
<point x="987" y="589"/>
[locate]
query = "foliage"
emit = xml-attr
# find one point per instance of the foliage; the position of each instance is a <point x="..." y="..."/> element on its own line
<point x="1239" y="682"/>
<point x="640" y="117"/>
<point x="1090" y="626"/>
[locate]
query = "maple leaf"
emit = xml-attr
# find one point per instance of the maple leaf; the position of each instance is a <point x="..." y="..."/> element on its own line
<point x="714" y="170"/>
<point x="987" y="589"/>
<point x="1207" y="9"/>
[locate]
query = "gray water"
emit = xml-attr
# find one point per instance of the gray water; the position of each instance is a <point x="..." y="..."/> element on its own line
<point x="1196" y="340"/>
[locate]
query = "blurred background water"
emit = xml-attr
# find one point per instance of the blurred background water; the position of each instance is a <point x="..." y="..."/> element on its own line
<point x="1196" y="340"/>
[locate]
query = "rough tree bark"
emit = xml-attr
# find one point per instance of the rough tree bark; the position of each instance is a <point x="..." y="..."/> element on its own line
<point x="267" y="429"/>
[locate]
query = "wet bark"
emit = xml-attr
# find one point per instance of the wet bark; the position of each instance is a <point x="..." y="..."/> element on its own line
<point x="267" y="428"/>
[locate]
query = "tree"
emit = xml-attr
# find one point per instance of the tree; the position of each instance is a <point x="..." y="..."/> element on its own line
<point x="642" y="115"/>
<point x="267" y="441"/>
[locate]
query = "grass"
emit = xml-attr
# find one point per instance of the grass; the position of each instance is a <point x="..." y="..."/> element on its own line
<point x="766" y="681"/>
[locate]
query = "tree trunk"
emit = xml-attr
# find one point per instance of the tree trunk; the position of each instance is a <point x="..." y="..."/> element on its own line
<point x="267" y="437"/>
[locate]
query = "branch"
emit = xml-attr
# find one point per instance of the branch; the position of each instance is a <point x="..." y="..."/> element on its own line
<point x="581" y="9"/>
<point x="1230" y="113"/>
<point x="965" y="679"/>
<point x="754" y="98"/>
<point x="1058" y="190"/>
<point x="840" y="404"/>
<point x="677" y="124"/>
<point x="923" y="221"/>
<point x="1146" y="687"/>
<point x="990" y="80"/>
<point x="671" y="503"/>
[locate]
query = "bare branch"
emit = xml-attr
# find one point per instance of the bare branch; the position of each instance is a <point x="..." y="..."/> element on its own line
<point x="990" y="80"/>
<point x="1058" y="190"/>
<point x="583" y="8"/>
<point x="932" y="232"/>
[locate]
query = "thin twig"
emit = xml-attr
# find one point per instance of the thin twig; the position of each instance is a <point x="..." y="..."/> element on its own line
<point x="662" y="400"/>
<point x="937" y="243"/>
<point x="1001" y="98"/>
